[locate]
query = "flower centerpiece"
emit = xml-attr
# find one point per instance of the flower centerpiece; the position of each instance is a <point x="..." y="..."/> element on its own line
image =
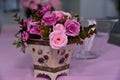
<point x="50" y="34"/>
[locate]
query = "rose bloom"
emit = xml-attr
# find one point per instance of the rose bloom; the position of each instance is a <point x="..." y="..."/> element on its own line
<point x="56" y="4"/>
<point x="37" y="1"/>
<point x="46" y="8"/>
<point x="35" y="30"/>
<point x="59" y="27"/>
<point x="32" y="27"/>
<point x="60" y="14"/>
<point x="25" y="36"/>
<point x="72" y="27"/>
<point x="33" y="6"/>
<point x="58" y="39"/>
<point x="25" y="3"/>
<point x="49" y="19"/>
<point x="29" y="24"/>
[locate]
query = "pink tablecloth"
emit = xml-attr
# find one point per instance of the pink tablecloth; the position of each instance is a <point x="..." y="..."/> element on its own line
<point x="17" y="66"/>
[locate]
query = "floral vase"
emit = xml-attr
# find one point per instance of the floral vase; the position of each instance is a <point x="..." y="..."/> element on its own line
<point x="49" y="62"/>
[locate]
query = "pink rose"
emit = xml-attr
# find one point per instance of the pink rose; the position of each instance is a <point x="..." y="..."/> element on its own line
<point x="59" y="27"/>
<point x="29" y="24"/>
<point x="49" y="19"/>
<point x="25" y="36"/>
<point x="33" y="6"/>
<point x="59" y="15"/>
<point x="56" y="4"/>
<point x="58" y="39"/>
<point x="25" y="3"/>
<point x="72" y="27"/>
<point x="37" y="1"/>
<point x="46" y="8"/>
<point x="35" y="30"/>
<point x="27" y="21"/>
<point x="32" y="25"/>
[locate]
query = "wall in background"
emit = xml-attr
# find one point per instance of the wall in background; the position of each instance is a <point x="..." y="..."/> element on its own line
<point x="97" y="8"/>
<point x="71" y="6"/>
<point x="91" y="8"/>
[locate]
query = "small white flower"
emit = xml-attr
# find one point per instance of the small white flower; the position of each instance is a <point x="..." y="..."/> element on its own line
<point x="92" y="22"/>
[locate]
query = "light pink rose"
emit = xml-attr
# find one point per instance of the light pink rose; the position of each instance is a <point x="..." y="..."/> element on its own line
<point x="72" y="27"/>
<point x="59" y="27"/>
<point x="25" y="36"/>
<point x="58" y="39"/>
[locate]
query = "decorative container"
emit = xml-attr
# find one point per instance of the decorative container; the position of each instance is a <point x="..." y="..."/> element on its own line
<point x="50" y="62"/>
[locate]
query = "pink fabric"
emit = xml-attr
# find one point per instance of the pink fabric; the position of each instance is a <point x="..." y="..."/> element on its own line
<point x="14" y="65"/>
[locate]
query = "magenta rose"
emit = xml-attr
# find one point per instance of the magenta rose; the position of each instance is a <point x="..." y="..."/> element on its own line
<point x="27" y="22"/>
<point x="60" y="14"/>
<point x="36" y="30"/>
<point x="30" y="25"/>
<point x="49" y="19"/>
<point x="72" y="27"/>
<point x="25" y="36"/>
<point x="46" y="8"/>
<point x="58" y="39"/>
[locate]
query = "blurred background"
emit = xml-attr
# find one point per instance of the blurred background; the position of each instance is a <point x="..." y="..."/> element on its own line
<point x="85" y="8"/>
<point x="97" y="9"/>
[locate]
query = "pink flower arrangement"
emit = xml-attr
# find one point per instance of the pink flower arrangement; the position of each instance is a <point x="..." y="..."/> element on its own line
<point x="59" y="27"/>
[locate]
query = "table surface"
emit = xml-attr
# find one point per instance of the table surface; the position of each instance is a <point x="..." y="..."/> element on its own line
<point x="14" y="65"/>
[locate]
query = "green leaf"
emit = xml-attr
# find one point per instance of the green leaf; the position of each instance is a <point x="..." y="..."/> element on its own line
<point x="45" y="35"/>
<point x="23" y="47"/>
<point x="83" y="34"/>
<point x="75" y="40"/>
<point x="14" y="42"/>
<point x="86" y="29"/>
